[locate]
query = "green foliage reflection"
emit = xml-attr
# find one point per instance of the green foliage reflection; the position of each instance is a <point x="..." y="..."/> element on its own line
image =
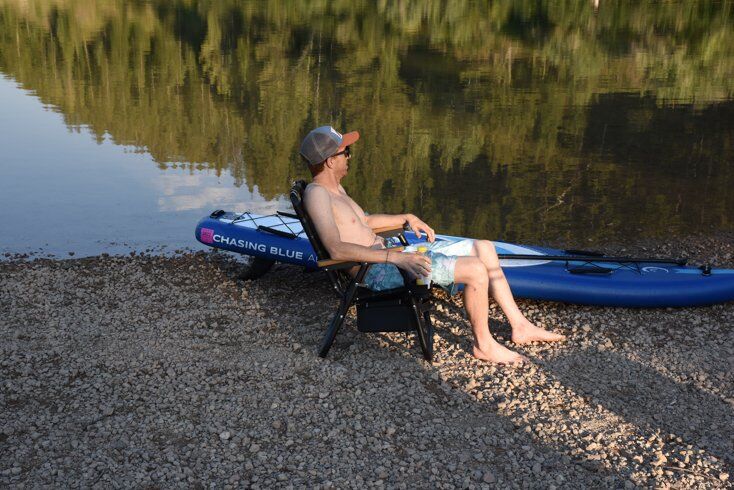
<point x="509" y="119"/>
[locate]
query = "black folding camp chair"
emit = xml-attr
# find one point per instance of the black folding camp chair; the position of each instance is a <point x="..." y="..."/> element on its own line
<point x="401" y="309"/>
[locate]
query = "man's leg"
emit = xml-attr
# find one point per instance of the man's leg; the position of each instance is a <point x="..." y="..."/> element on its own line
<point x="471" y="272"/>
<point x="523" y="330"/>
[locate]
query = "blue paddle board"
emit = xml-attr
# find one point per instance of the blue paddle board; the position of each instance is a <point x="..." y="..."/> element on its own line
<point x="638" y="284"/>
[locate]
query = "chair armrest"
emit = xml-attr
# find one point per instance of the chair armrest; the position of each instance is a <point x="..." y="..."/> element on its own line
<point x="349" y="263"/>
<point x="388" y="231"/>
<point x="335" y="265"/>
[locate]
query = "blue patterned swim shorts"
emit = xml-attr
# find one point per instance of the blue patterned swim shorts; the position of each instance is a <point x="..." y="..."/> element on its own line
<point x="443" y="255"/>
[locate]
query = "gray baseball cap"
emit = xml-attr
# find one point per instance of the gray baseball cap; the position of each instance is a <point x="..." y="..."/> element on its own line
<point x="323" y="142"/>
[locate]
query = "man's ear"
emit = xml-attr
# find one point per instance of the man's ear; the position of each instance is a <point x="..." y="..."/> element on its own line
<point x="327" y="162"/>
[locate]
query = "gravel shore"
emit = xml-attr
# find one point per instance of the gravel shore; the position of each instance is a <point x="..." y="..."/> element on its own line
<point x="145" y="371"/>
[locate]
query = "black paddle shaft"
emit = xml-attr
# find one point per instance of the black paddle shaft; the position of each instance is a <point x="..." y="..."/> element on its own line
<point x="587" y="258"/>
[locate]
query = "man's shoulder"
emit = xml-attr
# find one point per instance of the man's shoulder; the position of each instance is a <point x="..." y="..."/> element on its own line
<point x="315" y="188"/>
<point x="316" y="196"/>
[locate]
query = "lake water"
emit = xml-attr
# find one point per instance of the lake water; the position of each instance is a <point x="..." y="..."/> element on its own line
<point x="124" y="122"/>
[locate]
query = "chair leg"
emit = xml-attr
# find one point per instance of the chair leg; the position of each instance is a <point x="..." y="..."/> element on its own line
<point x="330" y="335"/>
<point x="341" y="312"/>
<point x="424" y="330"/>
<point x="429" y="334"/>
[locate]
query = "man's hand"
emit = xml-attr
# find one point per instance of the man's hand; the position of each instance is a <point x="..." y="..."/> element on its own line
<point x="417" y="265"/>
<point x="418" y="226"/>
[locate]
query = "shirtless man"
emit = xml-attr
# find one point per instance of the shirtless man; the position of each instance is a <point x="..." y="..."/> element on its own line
<point x="347" y="234"/>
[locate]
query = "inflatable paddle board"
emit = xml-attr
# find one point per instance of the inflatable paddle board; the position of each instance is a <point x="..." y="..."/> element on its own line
<point x="532" y="272"/>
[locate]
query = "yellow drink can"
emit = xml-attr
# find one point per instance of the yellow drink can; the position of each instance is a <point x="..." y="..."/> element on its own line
<point x="423" y="280"/>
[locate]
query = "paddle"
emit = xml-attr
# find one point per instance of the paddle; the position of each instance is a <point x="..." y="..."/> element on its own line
<point x="594" y="258"/>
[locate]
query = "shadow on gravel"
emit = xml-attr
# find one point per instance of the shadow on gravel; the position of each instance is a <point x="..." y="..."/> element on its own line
<point x="641" y="396"/>
<point x="508" y="442"/>
<point x="648" y="399"/>
<point x="679" y="413"/>
<point x="446" y="414"/>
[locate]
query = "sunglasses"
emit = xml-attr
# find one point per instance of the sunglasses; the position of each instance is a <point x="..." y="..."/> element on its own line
<point x="344" y="152"/>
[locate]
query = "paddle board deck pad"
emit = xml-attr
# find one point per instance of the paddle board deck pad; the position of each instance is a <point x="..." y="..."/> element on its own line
<point x="281" y="238"/>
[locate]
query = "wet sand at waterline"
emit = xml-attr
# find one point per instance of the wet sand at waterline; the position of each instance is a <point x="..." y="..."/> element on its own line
<point x="170" y="371"/>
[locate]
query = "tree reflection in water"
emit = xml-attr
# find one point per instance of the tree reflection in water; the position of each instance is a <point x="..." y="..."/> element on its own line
<point x="526" y="120"/>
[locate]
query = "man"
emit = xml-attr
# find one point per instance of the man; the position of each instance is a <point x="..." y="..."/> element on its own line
<point x="347" y="234"/>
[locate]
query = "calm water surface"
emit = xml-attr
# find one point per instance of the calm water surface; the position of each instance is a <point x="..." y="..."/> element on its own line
<point x="124" y="122"/>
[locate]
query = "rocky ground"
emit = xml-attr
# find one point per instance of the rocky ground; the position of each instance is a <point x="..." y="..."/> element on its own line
<point x="167" y="372"/>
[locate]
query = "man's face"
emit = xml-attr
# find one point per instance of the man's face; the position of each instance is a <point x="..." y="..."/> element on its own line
<point x="340" y="161"/>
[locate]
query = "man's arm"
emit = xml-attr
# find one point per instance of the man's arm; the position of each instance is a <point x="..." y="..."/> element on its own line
<point x="386" y="220"/>
<point x="395" y="220"/>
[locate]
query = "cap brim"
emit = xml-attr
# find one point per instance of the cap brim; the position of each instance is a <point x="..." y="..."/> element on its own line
<point x="349" y="139"/>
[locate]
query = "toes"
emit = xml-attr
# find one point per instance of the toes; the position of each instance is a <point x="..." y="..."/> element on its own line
<point x="517" y="361"/>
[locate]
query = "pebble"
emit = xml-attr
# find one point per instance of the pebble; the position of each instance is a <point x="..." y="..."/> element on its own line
<point x="489" y="477"/>
<point x="128" y="365"/>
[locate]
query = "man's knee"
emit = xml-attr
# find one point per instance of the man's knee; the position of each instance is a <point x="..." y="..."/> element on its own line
<point x="486" y="246"/>
<point x="478" y="273"/>
<point x="494" y="270"/>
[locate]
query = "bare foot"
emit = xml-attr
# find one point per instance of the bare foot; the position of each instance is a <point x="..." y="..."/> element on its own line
<point x="498" y="354"/>
<point x="526" y="332"/>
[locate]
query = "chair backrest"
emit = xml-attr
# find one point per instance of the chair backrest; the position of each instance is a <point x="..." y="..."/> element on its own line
<point x="297" y="192"/>
<point x="338" y="278"/>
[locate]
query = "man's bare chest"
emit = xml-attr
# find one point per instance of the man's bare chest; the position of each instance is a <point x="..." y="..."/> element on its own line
<point x="346" y="211"/>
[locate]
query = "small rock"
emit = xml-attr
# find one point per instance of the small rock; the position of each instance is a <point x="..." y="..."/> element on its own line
<point x="489" y="477"/>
